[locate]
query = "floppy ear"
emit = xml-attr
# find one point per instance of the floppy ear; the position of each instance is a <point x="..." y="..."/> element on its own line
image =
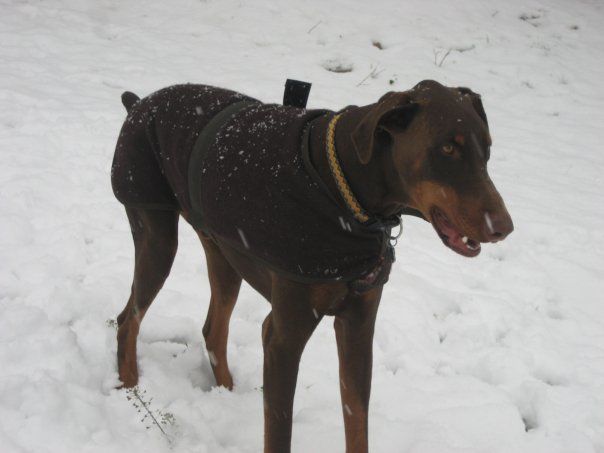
<point x="476" y="103"/>
<point x="393" y="112"/>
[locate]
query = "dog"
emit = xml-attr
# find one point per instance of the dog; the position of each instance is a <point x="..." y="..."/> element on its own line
<point x="301" y="204"/>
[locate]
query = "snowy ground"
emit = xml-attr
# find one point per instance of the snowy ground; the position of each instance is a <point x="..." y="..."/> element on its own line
<point x="503" y="353"/>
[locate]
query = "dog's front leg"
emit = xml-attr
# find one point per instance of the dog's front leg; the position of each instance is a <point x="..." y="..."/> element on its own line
<point x="354" y="327"/>
<point x="285" y="332"/>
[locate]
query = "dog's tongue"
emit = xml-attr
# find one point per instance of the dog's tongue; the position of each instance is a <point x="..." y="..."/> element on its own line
<point x="447" y="229"/>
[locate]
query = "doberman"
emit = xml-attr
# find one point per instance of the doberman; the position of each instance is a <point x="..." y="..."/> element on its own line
<point x="424" y="149"/>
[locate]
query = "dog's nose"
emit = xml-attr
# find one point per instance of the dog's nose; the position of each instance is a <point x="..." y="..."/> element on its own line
<point x="497" y="225"/>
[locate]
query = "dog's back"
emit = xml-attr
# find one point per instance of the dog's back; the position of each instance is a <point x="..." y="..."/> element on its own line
<point x="153" y="149"/>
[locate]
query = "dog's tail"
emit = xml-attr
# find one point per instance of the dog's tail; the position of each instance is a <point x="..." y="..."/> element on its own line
<point x="129" y="99"/>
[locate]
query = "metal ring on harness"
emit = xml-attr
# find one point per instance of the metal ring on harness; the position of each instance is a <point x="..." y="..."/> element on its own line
<point x="394" y="239"/>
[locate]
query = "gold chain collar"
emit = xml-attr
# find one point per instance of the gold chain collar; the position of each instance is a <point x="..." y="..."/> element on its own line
<point x="338" y="175"/>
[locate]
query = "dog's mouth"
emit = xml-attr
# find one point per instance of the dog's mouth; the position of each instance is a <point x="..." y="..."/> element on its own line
<point x="451" y="236"/>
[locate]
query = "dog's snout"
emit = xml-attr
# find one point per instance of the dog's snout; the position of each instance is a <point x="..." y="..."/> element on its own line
<point x="497" y="225"/>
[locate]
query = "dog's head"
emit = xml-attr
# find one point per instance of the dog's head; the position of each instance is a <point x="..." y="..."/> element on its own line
<point x="437" y="141"/>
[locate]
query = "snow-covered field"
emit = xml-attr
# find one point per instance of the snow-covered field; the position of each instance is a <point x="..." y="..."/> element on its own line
<point x="503" y="353"/>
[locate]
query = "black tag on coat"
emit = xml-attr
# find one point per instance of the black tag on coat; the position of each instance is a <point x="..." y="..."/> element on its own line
<point x="296" y="93"/>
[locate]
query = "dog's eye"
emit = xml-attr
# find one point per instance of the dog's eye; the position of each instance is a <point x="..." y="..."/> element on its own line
<point x="448" y="150"/>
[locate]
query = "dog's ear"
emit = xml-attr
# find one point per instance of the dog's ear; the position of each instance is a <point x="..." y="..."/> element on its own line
<point x="393" y="112"/>
<point x="476" y="103"/>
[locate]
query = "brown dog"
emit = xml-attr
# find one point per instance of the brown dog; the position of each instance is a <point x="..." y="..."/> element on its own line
<point x="299" y="204"/>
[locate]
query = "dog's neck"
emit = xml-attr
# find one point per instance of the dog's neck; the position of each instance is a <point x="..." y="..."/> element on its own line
<point x="374" y="184"/>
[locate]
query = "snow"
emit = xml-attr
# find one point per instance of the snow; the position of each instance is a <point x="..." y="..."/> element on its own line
<point x="502" y="353"/>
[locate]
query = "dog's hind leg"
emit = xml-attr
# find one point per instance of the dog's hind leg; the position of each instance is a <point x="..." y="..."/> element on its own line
<point x="224" y="283"/>
<point x="155" y="235"/>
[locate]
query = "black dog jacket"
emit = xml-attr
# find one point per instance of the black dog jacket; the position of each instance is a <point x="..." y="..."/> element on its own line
<point x="246" y="180"/>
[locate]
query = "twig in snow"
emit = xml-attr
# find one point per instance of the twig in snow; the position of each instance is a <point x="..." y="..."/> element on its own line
<point x="438" y="53"/>
<point x="372" y="74"/>
<point x="139" y="403"/>
<point x="442" y="60"/>
<point x="314" y="26"/>
<point x="462" y="49"/>
<point x="531" y="19"/>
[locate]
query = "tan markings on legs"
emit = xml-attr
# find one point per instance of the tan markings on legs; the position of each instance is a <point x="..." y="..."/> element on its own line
<point x="155" y="235"/>
<point x="224" y="283"/>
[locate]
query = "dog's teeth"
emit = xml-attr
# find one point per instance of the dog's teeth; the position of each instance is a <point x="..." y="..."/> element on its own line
<point x="465" y="239"/>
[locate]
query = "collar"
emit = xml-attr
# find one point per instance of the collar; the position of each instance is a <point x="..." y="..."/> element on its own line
<point x="345" y="190"/>
<point x="367" y="221"/>
<point x="338" y="175"/>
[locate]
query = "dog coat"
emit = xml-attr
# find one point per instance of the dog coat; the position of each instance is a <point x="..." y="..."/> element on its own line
<point x="247" y="180"/>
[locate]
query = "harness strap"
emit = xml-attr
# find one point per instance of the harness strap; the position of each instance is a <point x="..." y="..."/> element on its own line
<point x="203" y="142"/>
